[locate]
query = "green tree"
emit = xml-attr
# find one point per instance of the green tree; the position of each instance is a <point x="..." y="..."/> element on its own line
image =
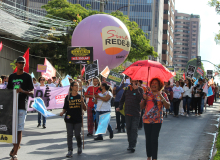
<point x="216" y="4"/>
<point x="194" y="63"/>
<point x="140" y="46"/>
<point x="179" y="75"/>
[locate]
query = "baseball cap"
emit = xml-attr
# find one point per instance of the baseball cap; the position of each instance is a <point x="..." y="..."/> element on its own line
<point x="200" y="79"/>
<point x="20" y="59"/>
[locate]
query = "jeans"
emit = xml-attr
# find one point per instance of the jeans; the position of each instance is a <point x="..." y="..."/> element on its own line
<point x="120" y="118"/>
<point x="141" y="119"/>
<point x="97" y="121"/>
<point x="77" y="130"/>
<point x="171" y="106"/>
<point x="186" y="101"/>
<point x="39" y="119"/>
<point x="176" y="103"/>
<point x="151" y="135"/>
<point x="132" y="130"/>
<point x="202" y="104"/>
<point x="197" y="104"/>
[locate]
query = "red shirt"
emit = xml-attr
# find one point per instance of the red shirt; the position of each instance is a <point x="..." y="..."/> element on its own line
<point x="90" y="92"/>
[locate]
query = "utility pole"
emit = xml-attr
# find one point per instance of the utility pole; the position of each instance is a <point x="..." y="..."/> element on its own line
<point x="102" y="5"/>
<point x="129" y="8"/>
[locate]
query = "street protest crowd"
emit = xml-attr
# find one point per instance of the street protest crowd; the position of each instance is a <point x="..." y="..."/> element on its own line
<point x="136" y="105"/>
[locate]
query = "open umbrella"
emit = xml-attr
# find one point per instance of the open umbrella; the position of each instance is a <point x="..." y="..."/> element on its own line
<point x="146" y="70"/>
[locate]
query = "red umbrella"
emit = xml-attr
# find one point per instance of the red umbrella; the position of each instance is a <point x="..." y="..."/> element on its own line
<point x="146" y="70"/>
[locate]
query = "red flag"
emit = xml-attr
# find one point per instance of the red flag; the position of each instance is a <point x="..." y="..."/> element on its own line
<point x="184" y="76"/>
<point x="1" y="46"/>
<point x="51" y="71"/>
<point x="83" y="71"/>
<point x="26" y="67"/>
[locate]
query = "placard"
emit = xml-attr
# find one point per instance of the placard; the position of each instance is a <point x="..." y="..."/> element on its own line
<point x="41" y="68"/>
<point x="115" y="78"/>
<point x="105" y="72"/>
<point x="200" y="71"/>
<point x="91" y="70"/>
<point x="190" y="72"/>
<point x="209" y="74"/>
<point x="80" y="55"/>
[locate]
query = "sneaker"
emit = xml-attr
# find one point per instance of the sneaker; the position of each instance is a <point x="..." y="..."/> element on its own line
<point x="187" y="115"/>
<point x="98" y="138"/>
<point x="129" y="148"/>
<point x="44" y="126"/>
<point x="38" y="125"/>
<point x="132" y="150"/>
<point x="111" y="135"/>
<point x="69" y="154"/>
<point x="89" y="135"/>
<point x="79" y="150"/>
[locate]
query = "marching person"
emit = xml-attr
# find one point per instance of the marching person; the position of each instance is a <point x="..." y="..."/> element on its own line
<point x="49" y="83"/>
<point x="153" y="103"/>
<point x="132" y="97"/>
<point x="169" y="91"/>
<point x="187" y="96"/>
<point x="177" y="96"/>
<point x="198" y="94"/>
<point x="42" y="84"/>
<point x="90" y="93"/>
<point x="103" y="101"/>
<point x="35" y="83"/>
<point x="21" y="81"/>
<point x="120" y="118"/>
<point x="73" y="117"/>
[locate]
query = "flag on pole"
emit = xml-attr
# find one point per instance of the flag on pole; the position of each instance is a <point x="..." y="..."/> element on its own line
<point x="210" y="93"/>
<point x="196" y="82"/>
<point x="200" y="71"/>
<point x="32" y="75"/>
<point x="65" y="81"/>
<point x="103" y="123"/>
<point x="26" y="56"/>
<point x="1" y="46"/>
<point x="83" y="71"/>
<point x="216" y="73"/>
<point x="211" y="81"/>
<point x="184" y="76"/>
<point x="39" y="105"/>
<point x="51" y="71"/>
<point x="205" y="88"/>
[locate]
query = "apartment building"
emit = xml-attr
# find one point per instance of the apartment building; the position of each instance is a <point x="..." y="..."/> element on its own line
<point x="186" y="39"/>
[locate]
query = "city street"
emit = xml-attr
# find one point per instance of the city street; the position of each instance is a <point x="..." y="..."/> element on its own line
<point x="180" y="139"/>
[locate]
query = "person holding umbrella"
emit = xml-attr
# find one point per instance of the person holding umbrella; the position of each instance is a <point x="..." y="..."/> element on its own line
<point x="153" y="103"/>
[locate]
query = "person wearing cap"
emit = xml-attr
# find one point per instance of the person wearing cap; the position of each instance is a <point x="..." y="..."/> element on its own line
<point x="22" y="82"/>
<point x="198" y="94"/>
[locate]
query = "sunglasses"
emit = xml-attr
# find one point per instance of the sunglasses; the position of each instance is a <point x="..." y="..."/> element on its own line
<point x="42" y="80"/>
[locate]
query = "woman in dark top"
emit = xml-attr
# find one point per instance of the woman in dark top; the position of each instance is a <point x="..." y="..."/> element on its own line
<point x="73" y="117"/>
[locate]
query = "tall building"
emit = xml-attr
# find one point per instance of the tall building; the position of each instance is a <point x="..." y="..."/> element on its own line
<point x="148" y="14"/>
<point x="186" y="39"/>
<point x="168" y="32"/>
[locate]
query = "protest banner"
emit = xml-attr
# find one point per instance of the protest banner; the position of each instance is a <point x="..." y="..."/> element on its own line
<point x="3" y="86"/>
<point x="41" y="68"/>
<point x="103" y="123"/>
<point x="91" y="70"/>
<point x="80" y="55"/>
<point x="115" y="78"/>
<point x="105" y="72"/>
<point x="209" y="74"/>
<point x="53" y="97"/>
<point x="8" y="115"/>
<point x="200" y="71"/>
<point x="190" y="72"/>
<point x="50" y="72"/>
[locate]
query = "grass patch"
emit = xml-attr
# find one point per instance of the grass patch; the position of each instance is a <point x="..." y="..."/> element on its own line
<point x="217" y="156"/>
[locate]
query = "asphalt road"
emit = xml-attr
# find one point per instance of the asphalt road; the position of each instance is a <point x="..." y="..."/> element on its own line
<point x="180" y="139"/>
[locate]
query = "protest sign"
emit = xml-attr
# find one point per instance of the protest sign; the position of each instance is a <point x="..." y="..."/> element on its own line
<point x="115" y="78"/>
<point x="209" y="74"/>
<point x="103" y="123"/>
<point x="53" y="97"/>
<point x="50" y="72"/>
<point x="41" y="68"/>
<point x="105" y="72"/>
<point x="190" y="72"/>
<point x="8" y="115"/>
<point x="200" y="71"/>
<point x="91" y="70"/>
<point x="80" y="55"/>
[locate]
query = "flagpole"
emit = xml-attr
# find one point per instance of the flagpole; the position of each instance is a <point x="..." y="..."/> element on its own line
<point x="82" y="111"/>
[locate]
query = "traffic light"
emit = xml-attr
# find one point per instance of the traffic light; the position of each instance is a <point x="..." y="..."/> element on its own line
<point x="199" y="61"/>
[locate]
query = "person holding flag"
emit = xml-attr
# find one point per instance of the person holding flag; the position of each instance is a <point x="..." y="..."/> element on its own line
<point x="73" y="117"/>
<point x="22" y="82"/>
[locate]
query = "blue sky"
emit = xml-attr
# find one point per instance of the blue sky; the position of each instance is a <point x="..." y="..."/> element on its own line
<point x="209" y="50"/>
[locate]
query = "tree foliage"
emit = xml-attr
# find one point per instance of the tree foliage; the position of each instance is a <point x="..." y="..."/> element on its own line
<point x="194" y="63"/>
<point x="216" y="4"/>
<point x="140" y="46"/>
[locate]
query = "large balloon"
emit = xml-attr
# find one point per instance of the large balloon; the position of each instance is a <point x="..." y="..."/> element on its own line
<point x="108" y="36"/>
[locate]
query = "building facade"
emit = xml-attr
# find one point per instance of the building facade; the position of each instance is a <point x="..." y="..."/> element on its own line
<point x="186" y="39"/>
<point x="168" y="32"/>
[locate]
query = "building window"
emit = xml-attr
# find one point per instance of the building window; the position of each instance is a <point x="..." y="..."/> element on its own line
<point x="194" y="30"/>
<point x="165" y="52"/>
<point x="193" y="56"/>
<point x="194" y="34"/>
<point x="194" y="27"/>
<point x="193" y="44"/>
<point x="193" y="39"/>
<point x="166" y="12"/>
